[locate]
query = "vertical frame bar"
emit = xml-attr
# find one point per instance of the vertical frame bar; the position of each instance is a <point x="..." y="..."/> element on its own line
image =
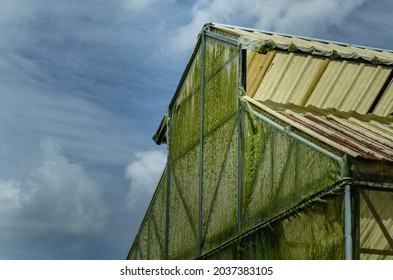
<point x="240" y="81"/>
<point x="199" y="245"/>
<point x="168" y="183"/>
<point x="356" y="223"/>
<point x="348" y="244"/>
<point x="148" y="236"/>
<point x="167" y="195"/>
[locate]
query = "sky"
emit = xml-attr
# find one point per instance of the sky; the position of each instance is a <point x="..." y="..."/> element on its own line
<point x="83" y="87"/>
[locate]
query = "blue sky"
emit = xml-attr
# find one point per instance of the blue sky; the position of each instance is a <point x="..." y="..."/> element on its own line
<point x="83" y="86"/>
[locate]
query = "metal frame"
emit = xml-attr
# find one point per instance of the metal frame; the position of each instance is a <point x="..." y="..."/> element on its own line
<point x="345" y="184"/>
<point x="348" y="242"/>
<point x="239" y="144"/>
<point x="168" y="180"/>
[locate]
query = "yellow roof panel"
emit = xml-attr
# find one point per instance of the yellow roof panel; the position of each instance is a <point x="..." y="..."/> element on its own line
<point x="257" y="66"/>
<point x="313" y="80"/>
<point x="289" y="78"/>
<point x="347" y="86"/>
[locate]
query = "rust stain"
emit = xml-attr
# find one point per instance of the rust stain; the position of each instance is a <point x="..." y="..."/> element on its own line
<point x="351" y="138"/>
<point x="342" y="135"/>
<point x="335" y="138"/>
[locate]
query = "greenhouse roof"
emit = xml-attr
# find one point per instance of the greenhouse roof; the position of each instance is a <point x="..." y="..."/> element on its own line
<point x="307" y="71"/>
<point x="299" y="80"/>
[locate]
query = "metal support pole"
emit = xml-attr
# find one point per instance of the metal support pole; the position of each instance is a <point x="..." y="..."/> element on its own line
<point x="199" y="242"/>
<point x="348" y="223"/>
<point x="239" y="144"/>
<point x="167" y="195"/>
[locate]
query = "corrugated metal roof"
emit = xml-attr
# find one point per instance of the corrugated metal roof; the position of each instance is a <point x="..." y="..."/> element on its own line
<point x="313" y="72"/>
<point x="349" y="86"/>
<point x="365" y="136"/>
<point x="308" y="80"/>
<point x="288" y="78"/>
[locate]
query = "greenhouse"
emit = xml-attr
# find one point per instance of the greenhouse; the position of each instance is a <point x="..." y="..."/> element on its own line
<point x="279" y="147"/>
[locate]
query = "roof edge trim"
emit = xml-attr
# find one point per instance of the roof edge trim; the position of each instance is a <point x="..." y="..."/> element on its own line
<point x="263" y="46"/>
<point x="299" y="36"/>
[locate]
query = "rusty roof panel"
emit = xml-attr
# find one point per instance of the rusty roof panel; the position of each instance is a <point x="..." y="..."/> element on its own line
<point x="365" y="136"/>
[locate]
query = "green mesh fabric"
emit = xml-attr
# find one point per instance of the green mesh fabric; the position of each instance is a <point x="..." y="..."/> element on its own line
<point x="183" y="206"/>
<point x="278" y="171"/>
<point x="149" y="242"/>
<point x="313" y="233"/>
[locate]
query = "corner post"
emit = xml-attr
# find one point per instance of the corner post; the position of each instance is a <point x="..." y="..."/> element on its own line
<point x="167" y="194"/>
<point x="348" y="245"/>
<point x="240" y="84"/>
<point x="199" y="242"/>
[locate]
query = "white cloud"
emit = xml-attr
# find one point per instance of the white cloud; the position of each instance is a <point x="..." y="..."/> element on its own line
<point x="138" y="5"/>
<point x="144" y="174"/>
<point x="9" y="197"/>
<point x="306" y="17"/>
<point x="57" y="197"/>
<point x="81" y="73"/>
<point x="303" y="17"/>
